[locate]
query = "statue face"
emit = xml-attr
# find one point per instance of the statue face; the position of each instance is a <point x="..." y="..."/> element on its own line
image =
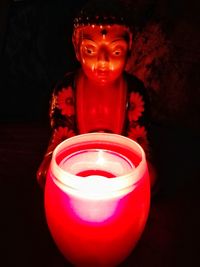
<point x="102" y="51"/>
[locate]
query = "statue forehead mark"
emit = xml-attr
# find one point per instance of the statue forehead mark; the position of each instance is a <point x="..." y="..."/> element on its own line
<point x="104" y="31"/>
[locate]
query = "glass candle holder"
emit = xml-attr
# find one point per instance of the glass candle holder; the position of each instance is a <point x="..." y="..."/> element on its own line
<point x="97" y="198"/>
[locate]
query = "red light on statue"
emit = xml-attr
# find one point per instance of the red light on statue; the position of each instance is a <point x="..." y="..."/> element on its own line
<point x="97" y="198"/>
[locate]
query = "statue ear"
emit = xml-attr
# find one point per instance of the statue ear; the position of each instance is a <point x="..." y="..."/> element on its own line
<point x="76" y="43"/>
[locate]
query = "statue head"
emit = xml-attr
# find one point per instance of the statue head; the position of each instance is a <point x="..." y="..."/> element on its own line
<point x="102" y="38"/>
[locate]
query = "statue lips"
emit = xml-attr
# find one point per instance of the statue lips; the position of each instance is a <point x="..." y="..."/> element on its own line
<point x="102" y="73"/>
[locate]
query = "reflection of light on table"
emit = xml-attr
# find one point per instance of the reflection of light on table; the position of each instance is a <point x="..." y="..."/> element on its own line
<point x="97" y="198"/>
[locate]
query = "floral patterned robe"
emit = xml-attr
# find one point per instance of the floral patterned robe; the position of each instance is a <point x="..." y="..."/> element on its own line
<point x="63" y="106"/>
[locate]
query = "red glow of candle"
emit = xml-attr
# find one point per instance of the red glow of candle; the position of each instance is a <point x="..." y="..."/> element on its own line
<point x="95" y="219"/>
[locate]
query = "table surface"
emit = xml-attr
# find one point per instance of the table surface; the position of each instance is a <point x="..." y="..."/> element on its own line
<point x="171" y="235"/>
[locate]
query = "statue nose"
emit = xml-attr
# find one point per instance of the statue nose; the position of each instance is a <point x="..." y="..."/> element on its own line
<point x="103" y="56"/>
<point x="102" y="65"/>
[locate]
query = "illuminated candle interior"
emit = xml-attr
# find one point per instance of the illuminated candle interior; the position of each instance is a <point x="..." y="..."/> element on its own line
<point x="97" y="162"/>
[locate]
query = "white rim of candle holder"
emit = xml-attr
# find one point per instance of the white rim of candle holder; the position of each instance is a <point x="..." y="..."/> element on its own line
<point x="71" y="183"/>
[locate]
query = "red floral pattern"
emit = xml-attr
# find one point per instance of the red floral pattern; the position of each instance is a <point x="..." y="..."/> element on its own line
<point x="139" y="134"/>
<point x="136" y="106"/>
<point x="66" y="101"/>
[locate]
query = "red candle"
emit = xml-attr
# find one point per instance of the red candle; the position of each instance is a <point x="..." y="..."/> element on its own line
<point x="97" y="198"/>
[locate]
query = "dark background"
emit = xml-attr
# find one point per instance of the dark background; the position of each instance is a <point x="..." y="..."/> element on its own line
<point x="35" y="52"/>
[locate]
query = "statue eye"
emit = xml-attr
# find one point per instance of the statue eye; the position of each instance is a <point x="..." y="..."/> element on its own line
<point x="119" y="48"/>
<point x="89" y="51"/>
<point x="117" y="52"/>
